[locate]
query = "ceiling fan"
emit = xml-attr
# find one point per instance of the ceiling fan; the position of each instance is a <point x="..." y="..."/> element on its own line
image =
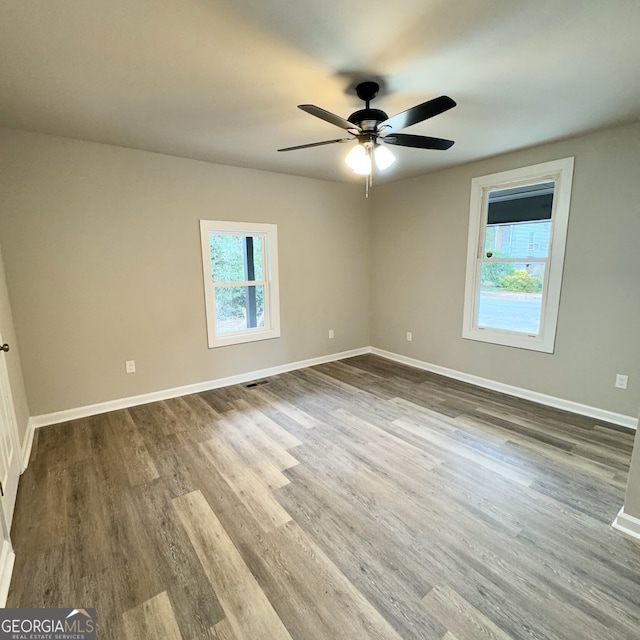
<point x="374" y="129"/>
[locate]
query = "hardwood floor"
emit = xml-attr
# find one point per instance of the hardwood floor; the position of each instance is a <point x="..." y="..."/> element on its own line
<point x="354" y="500"/>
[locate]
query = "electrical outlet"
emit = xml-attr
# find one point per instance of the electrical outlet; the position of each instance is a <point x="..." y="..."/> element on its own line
<point x="130" y="366"/>
<point x="621" y="381"/>
<point x="409" y="336"/>
<point x="331" y="334"/>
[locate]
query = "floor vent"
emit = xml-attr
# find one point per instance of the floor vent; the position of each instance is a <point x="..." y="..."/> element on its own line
<point x="251" y="385"/>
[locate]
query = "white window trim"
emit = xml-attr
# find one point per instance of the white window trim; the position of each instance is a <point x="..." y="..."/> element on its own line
<point x="560" y="171"/>
<point x="270" y="274"/>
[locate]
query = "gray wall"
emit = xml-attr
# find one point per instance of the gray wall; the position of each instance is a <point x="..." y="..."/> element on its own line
<point x="102" y="255"/>
<point x="101" y="252"/>
<point x="12" y="358"/>
<point x="419" y="243"/>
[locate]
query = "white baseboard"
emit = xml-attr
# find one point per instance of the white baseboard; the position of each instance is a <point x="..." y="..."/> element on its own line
<point x="124" y="403"/>
<point x="630" y="422"/>
<point x="28" y="443"/>
<point x="7" y="559"/>
<point x="627" y="524"/>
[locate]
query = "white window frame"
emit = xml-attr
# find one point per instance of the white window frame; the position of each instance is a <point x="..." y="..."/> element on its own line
<point x="559" y="171"/>
<point x="269" y="233"/>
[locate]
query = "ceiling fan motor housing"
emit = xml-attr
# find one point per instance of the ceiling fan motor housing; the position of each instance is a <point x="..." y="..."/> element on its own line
<point x="368" y="119"/>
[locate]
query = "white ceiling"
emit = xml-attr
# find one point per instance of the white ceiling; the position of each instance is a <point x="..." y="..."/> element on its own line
<point x="219" y="80"/>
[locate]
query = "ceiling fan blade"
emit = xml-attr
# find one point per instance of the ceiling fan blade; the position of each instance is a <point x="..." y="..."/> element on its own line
<point x="316" y="144"/>
<point x="419" y="142"/>
<point x="327" y="116"/>
<point x="418" y="113"/>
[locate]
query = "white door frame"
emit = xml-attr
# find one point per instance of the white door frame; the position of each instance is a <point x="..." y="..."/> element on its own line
<point x="10" y="455"/>
<point x="10" y="473"/>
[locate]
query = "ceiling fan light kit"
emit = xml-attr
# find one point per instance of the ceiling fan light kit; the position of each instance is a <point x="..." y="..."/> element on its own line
<point x="372" y="127"/>
<point x="359" y="158"/>
<point x="384" y="157"/>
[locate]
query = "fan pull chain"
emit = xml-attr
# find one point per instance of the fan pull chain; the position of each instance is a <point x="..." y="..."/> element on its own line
<point x="368" y="179"/>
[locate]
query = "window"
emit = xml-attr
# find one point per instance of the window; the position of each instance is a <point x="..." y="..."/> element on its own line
<point x="517" y="232"/>
<point x="240" y="266"/>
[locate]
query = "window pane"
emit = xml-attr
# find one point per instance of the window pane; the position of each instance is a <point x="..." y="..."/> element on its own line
<point x="235" y="258"/>
<point x="519" y="221"/>
<point x="522" y="240"/>
<point x="511" y="296"/>
<point x="239" y="308"/>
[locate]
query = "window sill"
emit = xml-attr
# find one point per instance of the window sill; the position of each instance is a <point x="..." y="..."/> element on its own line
<point x="510" y="339"/>
<point x="240" y="338"/>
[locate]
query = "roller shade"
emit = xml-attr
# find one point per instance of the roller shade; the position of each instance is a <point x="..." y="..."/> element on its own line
<point x="521" y="204"/>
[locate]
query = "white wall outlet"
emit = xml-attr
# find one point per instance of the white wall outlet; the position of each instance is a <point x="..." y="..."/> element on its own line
<point x="130" y="366"/>
<point x="621" y="381"/>
<point x="409" y="336"/>
<point x="331" y="334"/>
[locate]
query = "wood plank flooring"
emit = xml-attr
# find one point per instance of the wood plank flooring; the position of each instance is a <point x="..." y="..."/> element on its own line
<point x="354" y="500"/>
